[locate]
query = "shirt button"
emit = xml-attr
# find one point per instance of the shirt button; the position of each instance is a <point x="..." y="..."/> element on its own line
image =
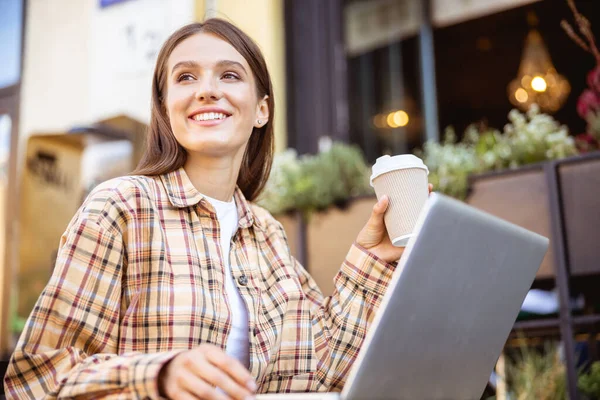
<point x="243" y="280"/>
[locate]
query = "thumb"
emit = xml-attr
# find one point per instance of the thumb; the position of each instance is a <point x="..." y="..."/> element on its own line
<point x="376" y="221"/>
<point x="374" y="230"/>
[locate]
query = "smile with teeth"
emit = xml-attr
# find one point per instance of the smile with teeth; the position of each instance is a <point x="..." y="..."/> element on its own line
<point x="208" y="116"/>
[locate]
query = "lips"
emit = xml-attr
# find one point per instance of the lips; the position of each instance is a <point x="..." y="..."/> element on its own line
<point x="209" y="117"/>
<point x="209" y="114"/>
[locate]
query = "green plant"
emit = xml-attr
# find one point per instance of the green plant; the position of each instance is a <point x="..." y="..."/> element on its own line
<point x="589" y="383"/>
<point x="536" y="374"/>
<point x="17" y="323"/>
<point x="315" y="182"/>
<point x="450" y="163"/>
<point x="527" y="138"/>
<point x="536" y="137"/>
<point x="285" y="181"/>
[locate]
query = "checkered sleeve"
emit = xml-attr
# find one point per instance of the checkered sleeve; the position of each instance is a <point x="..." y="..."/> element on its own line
<point x="340" y="321"/>
<point x="68" y="348"/>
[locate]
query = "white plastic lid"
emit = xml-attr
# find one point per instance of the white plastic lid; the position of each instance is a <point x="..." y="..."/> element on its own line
<point x="386" y="164"/>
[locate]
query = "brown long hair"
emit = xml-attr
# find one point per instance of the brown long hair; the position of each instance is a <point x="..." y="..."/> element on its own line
<point x="164" y="154"/>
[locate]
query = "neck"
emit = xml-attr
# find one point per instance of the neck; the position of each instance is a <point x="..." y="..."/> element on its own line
<point x="215" y="177"/>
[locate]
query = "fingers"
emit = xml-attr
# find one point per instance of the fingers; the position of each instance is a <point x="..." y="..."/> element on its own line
<point x="185" y="396"/>
<point x="193" y="387"/>
<point x="206" y="372"/>
<point x="213" y="378"/>
<point x="231" y="366"/>
<point x="228" y="374"/>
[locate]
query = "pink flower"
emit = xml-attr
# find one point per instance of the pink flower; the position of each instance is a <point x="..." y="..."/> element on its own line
<point x="593" y="79"/>
<point x="586" y="142"/>
<point x="588" y="101"/>
<point x="586" y="138"/>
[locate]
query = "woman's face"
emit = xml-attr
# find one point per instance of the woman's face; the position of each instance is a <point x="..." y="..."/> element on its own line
<point x="211" y="97"/>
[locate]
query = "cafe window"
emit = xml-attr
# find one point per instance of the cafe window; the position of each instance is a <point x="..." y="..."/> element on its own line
<point x="384" y="81"/>
<point x="478" y="47"/>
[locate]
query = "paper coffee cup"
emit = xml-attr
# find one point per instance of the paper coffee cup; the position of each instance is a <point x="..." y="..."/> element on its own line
<point x="403" y="179"/>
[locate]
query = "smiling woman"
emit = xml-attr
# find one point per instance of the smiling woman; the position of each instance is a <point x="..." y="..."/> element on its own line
<point x="171" y="283"/>
<point x="215" y="84"/>
<point x="211" y="68"/>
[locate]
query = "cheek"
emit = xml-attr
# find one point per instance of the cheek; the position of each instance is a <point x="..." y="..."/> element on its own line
<point x="176" y="101"/>
<point x="248" y="105"/>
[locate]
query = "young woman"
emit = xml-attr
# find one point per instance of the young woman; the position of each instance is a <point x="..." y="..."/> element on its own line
<point x="170" y="283"/>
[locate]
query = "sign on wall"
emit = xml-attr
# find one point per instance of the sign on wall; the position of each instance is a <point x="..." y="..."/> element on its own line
<point x="124" y="44"/>
<point x="377" y="23"/>
<point x="449" y="12"/>
<point x="106" y="3"/>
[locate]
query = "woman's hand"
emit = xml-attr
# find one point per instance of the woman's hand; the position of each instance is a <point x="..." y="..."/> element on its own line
<point x="196" y="374"/>
<point x="374" y="236"/>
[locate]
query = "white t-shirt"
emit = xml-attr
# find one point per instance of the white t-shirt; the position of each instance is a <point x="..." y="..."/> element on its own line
<point x="238" y="341"/>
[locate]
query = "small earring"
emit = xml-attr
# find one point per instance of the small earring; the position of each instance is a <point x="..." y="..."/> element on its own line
<point x="259" y="122"/>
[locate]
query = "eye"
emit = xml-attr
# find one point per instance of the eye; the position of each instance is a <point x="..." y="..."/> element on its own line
<point x="185" y="77"/>
<point x="230" y="76"/>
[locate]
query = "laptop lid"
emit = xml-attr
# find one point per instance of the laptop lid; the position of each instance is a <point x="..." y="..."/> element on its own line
<point x="449" y="308"/>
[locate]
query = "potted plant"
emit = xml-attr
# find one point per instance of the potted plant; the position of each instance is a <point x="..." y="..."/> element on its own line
<point x="528" y="138"/>
<point x="589" y="382"/>
<point x="536" y="373"/>
<point x="322" y="201"/>
<point x="502" y="172"/>
<point x="588" y="104"/>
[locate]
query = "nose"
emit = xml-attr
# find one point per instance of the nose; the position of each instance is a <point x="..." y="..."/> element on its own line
<point x="208" y="90"/>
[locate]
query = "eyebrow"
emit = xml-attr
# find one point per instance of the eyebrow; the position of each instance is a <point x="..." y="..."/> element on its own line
<point x="220" y="64"/>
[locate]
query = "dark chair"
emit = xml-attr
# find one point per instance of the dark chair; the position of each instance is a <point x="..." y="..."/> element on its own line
<point x="3" y="368"/>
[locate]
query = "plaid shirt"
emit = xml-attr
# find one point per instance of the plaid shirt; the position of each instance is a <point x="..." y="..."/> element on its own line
<point x="139" y="278"/>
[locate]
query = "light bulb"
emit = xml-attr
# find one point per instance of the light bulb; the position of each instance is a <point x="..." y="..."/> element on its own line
<point x="400" y="118"/>
<point x="521" y="95"/>
<point x="539" y="84"/>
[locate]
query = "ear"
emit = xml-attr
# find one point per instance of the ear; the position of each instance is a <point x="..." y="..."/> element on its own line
<point x="262" y="112"/>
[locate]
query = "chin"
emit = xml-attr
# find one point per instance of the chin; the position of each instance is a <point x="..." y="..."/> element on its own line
<point x="213" y="148"/>
<point x="213" y="142"/>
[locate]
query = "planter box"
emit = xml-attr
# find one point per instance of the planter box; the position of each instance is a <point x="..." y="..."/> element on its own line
<point x="579" y="187"/>
<point x="327" y="236"/>
<point x="522" y="196"/>
<point x="294" y="229"/>
<point x="518" y="196"/>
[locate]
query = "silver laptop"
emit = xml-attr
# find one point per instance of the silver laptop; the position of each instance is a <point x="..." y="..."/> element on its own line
<point x="449" y="308"/>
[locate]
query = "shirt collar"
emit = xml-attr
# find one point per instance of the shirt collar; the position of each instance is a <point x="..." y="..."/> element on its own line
<point x="182" y="193"/>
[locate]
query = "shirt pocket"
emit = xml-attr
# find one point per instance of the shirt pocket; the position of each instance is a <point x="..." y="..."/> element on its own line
<point x="291" y="384"/>
<point x="285" y="331"/>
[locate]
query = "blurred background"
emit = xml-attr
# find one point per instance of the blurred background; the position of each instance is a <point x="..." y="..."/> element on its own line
<point x="501" y="98"/>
